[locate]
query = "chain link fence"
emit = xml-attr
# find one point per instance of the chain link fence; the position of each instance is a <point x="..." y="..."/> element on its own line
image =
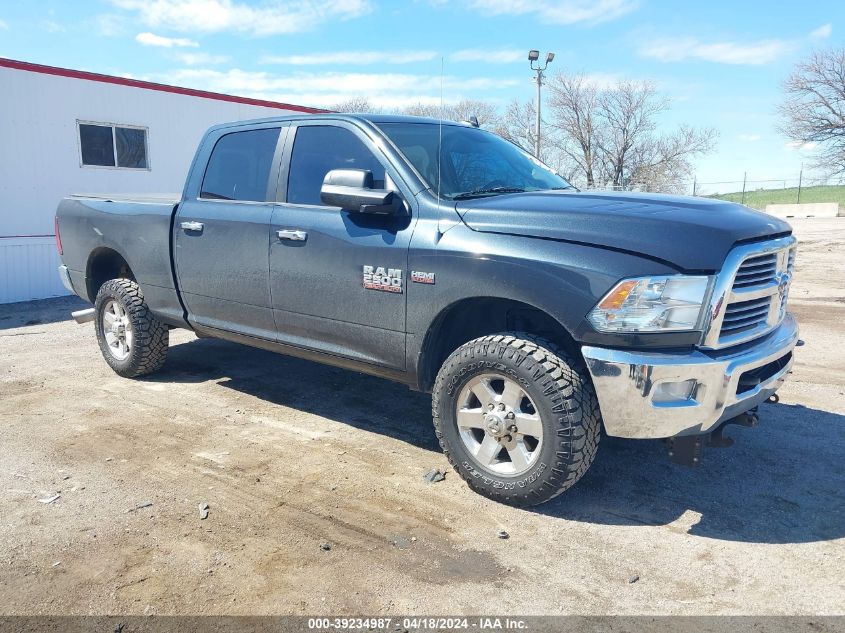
<point x="747" y="185"/>
<point x="756" y="193"/>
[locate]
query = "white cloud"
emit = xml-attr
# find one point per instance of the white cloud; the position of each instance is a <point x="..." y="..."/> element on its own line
<point x="151" y="39"/>
<point x="201" y="59"/>
<point x="801" y="147"/>
<point x="329" y="99"/>
<point x="211" y="16"/>
<point x="494" y="56"/>
<point x="3" y="26"/>
<point x="391" y="90"/>
<point x="368" y="58"/>
<point x="558" y="11"/>
<point x="354" y="83"/>
<point x="350" y="58"/>
<point x="822" y="33"/>
<point x="110" y="25"/>
<point x="603" y="80"/>
<point x="680" y="49"/>
<point x="749" y="138"/>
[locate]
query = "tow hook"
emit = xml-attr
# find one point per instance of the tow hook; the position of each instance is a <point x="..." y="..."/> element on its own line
<point x="749" y="419"/>
<point x="718" y="439"/>
<point x="686" y="449"/>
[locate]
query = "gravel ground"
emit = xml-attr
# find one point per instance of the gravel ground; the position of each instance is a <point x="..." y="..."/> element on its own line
<point x="291" y="455"/>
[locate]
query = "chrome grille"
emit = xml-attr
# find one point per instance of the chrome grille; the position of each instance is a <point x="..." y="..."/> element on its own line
<point x="745" y="315"/>
<point x="750" y="292"/>
<point x="755" y="271"/>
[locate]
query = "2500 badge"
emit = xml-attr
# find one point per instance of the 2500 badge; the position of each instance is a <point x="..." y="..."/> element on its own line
<point x="384" y="279"/>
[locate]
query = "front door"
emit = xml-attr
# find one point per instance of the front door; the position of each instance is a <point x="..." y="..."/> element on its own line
<point x="323" y="260"/>
<point x="221" y="235"/>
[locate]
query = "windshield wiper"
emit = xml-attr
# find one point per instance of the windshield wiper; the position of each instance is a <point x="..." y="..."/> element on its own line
<point x="483" y="192"/>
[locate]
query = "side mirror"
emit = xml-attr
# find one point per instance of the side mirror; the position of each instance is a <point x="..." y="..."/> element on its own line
<point x="352" y="190"/>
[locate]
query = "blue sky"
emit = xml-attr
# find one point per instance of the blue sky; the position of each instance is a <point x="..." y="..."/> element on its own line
<point x="720" y="62"/>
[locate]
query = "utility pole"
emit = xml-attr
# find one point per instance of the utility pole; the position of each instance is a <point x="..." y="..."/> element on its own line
<point x="800" y="179"/>
<point x="534" y="56"/>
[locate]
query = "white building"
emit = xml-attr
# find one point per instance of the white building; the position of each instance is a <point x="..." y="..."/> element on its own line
<point x="67" y="131"/>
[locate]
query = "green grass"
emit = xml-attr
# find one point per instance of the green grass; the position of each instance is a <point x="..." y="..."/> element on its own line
<point x="760" y="198"/>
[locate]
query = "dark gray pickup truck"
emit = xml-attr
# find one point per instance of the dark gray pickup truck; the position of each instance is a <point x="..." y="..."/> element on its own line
<point x="444" y="257"/>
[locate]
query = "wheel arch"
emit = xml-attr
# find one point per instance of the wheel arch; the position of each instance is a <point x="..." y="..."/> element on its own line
<point x="105" y="263"/>
<point x="473" y="317"/>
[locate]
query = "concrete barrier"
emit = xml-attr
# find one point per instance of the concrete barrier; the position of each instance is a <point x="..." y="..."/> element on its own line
<point x="807" y="210"/>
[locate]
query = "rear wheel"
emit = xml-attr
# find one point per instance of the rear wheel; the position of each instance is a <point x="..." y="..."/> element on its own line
<point x="517" y="417"/>
<point x="132" y="340"/>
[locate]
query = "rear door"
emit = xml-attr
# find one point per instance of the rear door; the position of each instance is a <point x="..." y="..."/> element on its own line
<point x="320" y="255"/>
<point x="221" y="231"/>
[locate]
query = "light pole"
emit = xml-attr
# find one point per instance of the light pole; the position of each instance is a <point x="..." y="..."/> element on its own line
<point x="534" y="56"/>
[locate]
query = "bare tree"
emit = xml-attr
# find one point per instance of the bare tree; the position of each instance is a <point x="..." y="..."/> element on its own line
<point x="628" y="113"/>
<point x="662" y="163"/>
<point x="814" y="108"/>
<point x="462" y="110"/>
<point x="573" y="101"/>
<point x="431" y="110"/>
<point x="356" y="104"/>
<point x="517" y="124"/>
<point x="484" y="111"/>
<point x="612" y="134"/>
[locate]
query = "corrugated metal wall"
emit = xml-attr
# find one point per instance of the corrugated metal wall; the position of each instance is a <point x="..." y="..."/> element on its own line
<point x="28" y="269"/>
<point x="40" y="164"/>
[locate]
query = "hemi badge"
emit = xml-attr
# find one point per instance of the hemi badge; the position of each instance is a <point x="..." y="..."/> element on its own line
<point x="421" y="277"/>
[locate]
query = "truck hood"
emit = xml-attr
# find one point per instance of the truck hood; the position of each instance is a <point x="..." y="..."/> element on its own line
<point x="690" y="233"/>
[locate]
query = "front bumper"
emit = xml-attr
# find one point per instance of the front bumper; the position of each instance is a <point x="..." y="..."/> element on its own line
<point x="657" y="395"/>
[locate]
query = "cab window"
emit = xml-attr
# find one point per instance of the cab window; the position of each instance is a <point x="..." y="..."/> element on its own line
<point x="317" y="150"/>
<point x="239" y="166"/>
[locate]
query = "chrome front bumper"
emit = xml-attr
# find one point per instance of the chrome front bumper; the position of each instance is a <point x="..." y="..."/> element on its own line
<point x="656" y="395"/>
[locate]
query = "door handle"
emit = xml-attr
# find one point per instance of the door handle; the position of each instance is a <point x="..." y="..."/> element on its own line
<point x="192" y="226"/>
<point x="294" y="235"/>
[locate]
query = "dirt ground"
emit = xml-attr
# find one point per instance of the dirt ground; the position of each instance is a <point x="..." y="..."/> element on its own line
<point x="290" y="455"/>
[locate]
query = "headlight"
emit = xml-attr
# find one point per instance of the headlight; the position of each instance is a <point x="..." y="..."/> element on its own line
<point x="652" y="304"/>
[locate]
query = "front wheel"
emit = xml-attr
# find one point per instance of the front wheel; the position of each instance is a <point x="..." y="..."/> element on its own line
<point x="132" y="340"/>
<point x="517" y="418"/>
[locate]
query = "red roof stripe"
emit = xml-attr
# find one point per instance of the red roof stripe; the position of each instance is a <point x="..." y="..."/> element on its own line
<point x="148" y="85"/>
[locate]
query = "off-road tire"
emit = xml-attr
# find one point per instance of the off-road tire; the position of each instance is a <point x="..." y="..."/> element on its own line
<point x="563" y="394"/>
<point x="150" y="336"/>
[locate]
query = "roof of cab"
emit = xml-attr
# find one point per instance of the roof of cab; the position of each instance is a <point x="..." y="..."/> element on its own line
<point x="374" y="119"/>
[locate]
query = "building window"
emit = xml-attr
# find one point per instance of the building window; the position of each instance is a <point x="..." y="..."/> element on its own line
<point x="106" y="145"/>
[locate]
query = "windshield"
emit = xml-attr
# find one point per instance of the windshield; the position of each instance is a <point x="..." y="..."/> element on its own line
<point x="475" y="163"/>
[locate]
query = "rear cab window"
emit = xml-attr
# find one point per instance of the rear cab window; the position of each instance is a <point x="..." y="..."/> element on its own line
<point x="239" y="166"/>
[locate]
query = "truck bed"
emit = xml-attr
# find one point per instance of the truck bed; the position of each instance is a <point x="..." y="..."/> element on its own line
<point x="146" y="198"/>
<point x="138" y="228"/>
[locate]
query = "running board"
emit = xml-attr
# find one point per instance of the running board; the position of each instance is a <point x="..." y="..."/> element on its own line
<point x="84" y="316"/>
